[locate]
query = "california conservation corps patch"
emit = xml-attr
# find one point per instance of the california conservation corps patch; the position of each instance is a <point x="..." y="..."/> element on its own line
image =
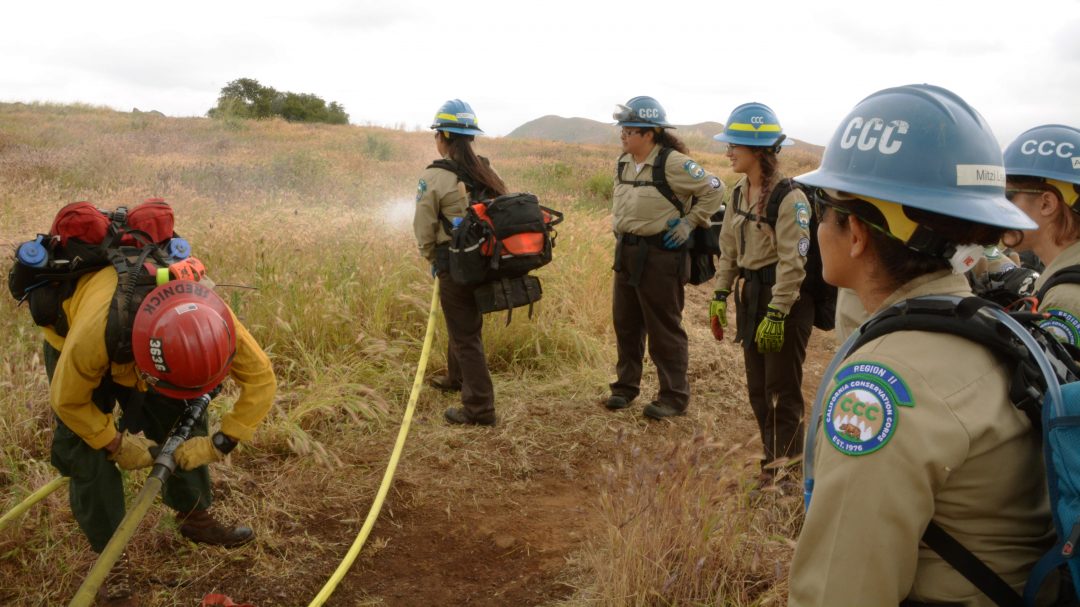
<point x="420" y="189"/>
<point x="693" y="169"/>
<point x="714" y="183"/>
<point x="1063" y="326"/>
<point x="804" y="246"/>
<point x="861" y="415"/>
<point x="802" y="214"/>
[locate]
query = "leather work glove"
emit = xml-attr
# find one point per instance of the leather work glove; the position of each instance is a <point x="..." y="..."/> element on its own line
<point x="770" y="333"/>
<point x="133" y="452"/>
<point x="197" y="451"/>
<point x="677" y="234"/>
<point x="718" y="313"/>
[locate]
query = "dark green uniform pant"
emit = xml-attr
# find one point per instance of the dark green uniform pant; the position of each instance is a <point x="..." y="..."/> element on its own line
<point x="774" y="381"/>
<point x="651" y="308"/>
<point x="96" y="490"/>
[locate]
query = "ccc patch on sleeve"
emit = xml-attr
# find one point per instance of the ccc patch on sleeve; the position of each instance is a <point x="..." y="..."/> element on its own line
<point x="1062" y="325"/>
<point x="802" y="214"/>
<point x="861" y="415"/>
<point x="420" y="189"/>
<point x="804" y="246"/>
<point x="693" y="169"/>
<point x="714" y="183"/>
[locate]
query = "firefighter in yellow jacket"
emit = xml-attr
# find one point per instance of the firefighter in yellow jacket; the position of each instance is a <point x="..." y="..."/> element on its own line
<point x="915" y="426"/>
<point x="1043" y="167"/>
<point x="768" y="253"/>
<point x="183" y="348"/>
<point x="442" y="196"/>
<point x="653" y="214"/>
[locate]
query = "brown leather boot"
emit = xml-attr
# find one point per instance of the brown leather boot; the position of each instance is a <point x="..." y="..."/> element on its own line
<point x="200" y="527"/>
<point x="116" y="591"/>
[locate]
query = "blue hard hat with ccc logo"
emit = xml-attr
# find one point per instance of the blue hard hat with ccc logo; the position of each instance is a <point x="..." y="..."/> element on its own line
<point x="1051" y="151"/>
<point x="642" y="111"/>
<point x="456" y="116"/>
<point x="753" y="124"/>
<point x="920" y="146"/>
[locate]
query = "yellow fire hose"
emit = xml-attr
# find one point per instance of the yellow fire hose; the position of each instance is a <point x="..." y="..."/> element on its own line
<point x="388" y="476"/>
<point x="32" y="499"/>
<point x="162" y="470"/>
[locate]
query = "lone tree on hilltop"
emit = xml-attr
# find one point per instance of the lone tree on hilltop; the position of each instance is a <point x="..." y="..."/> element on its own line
<point x="246" y="98"/>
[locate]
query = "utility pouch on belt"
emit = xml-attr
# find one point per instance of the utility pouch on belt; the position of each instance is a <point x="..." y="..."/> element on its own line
<point x="507" y="294"/>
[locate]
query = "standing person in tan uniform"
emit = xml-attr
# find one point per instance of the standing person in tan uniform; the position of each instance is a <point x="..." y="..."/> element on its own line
<point x="1043" y="167"/>
<point x="774" y="316"/>
<point x="652" y="223"/>
<point x="916" y="426"/>
<point x="443" y="193"/>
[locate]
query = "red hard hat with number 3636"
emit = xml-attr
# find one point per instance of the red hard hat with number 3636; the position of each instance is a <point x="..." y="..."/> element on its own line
<point x="184" y="339"/>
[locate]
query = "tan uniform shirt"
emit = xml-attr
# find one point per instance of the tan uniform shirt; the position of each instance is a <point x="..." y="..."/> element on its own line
<point x="918" y="426"/>
<point x="1063" y="300"/>
<point x="84" y="360"/>
<point x="645" y="212"/>
<point x="437" y="192"/>
<point x="751" y="245"/>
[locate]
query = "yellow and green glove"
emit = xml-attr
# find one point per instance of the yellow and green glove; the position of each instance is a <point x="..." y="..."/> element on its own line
<point x="197" y="451"/>
<point x="770" y="332"/>
<point x="133" y="452"/>
<point x="718" y="313"/>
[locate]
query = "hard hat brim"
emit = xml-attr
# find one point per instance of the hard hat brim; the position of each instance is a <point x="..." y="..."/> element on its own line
<point x="753" y="141"/>
<point x="985" y="205"/>
<point x="646" y="125"/>
<point x="460" y="130"/>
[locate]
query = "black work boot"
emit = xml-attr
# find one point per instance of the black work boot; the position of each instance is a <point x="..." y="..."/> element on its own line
<point x="200" y="527"/>
<point x="116" y="591"/>
<point x="617" y="401"/>
<point x="657" y="410"/>
<point x="443" y="383"/>
<point x="457" y="415"/>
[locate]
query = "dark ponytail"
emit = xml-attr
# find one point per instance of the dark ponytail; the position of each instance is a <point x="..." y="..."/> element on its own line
<point x="484" y="179"/>
<point x="769" y="162"/>
<point x="666" y="139"/>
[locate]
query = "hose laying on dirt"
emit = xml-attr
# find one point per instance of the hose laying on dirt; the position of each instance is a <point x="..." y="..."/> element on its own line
<point x="32" y="499"/>
<point x="388" y="476"/>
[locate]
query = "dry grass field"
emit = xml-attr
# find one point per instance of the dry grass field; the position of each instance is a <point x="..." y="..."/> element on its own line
<point x="307" y="230"/>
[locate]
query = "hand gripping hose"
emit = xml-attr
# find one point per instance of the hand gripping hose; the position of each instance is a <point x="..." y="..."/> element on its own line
<point x="32" y="499"/>
<point x="388" y="476"/>
<point x="162" y="470"/>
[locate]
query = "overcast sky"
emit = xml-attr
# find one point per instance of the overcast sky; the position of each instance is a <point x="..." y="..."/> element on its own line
<point x="393" y="62"/>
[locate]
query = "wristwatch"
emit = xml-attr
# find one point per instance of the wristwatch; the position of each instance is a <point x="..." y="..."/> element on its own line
<point x="223" y="443"/>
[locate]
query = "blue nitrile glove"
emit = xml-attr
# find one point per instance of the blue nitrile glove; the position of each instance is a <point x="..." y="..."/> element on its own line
<point x="770" y="332"/>
<point x="433" y="271"/>
<point x="677" y="234"/>
<point x="718" y="313"/>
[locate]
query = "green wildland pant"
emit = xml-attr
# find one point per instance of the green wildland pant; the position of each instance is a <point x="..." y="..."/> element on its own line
<point x="96" y="490"/>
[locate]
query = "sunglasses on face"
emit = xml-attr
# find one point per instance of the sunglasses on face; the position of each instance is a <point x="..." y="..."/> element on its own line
<point x="1010" y="193"/>
<point x="822" y="201"/>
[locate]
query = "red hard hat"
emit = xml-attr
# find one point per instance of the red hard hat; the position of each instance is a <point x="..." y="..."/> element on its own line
<point x="183" y="339"/>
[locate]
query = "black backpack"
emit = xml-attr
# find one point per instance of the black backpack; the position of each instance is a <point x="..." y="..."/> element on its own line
<point x="813" y="285"/>
<point x="704" y="242"/>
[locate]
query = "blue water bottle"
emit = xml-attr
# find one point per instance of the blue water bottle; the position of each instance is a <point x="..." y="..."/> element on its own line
<point x="455" y="222"/>
<point x="179" y="248"/>
<point x="32" y="253"/>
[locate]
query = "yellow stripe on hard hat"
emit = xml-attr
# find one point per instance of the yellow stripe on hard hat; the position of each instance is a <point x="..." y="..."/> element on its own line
<point x="450" y="117"/>
<point x="765" y="128"/>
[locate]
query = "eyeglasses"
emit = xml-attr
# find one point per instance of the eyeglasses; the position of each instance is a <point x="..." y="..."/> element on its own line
<point x="628" y="131"/>
<point x="822" y="201"/>
<point x="731" y="147"/>
<point x="1010" y="193"/>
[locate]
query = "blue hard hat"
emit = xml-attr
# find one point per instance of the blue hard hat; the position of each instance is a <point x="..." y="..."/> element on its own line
<point x="753" y="124"/>
<point x="1050" y="151"/>
<point x="456" y="116"/>
<point x="643" y="112"/>
<point x="923" y="147"/>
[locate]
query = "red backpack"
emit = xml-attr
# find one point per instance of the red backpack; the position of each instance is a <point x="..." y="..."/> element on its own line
<point x="85" y="239"/>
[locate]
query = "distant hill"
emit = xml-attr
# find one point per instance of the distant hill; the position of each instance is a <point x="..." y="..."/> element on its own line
<point x="584" y="130"/>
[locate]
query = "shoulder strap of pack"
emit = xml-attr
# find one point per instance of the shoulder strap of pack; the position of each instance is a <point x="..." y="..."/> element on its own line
<point x="772" y="206"/>
<point x="450" y="165"/>
<point x="1067" y="275"/>
<point x="659" y="178"/>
